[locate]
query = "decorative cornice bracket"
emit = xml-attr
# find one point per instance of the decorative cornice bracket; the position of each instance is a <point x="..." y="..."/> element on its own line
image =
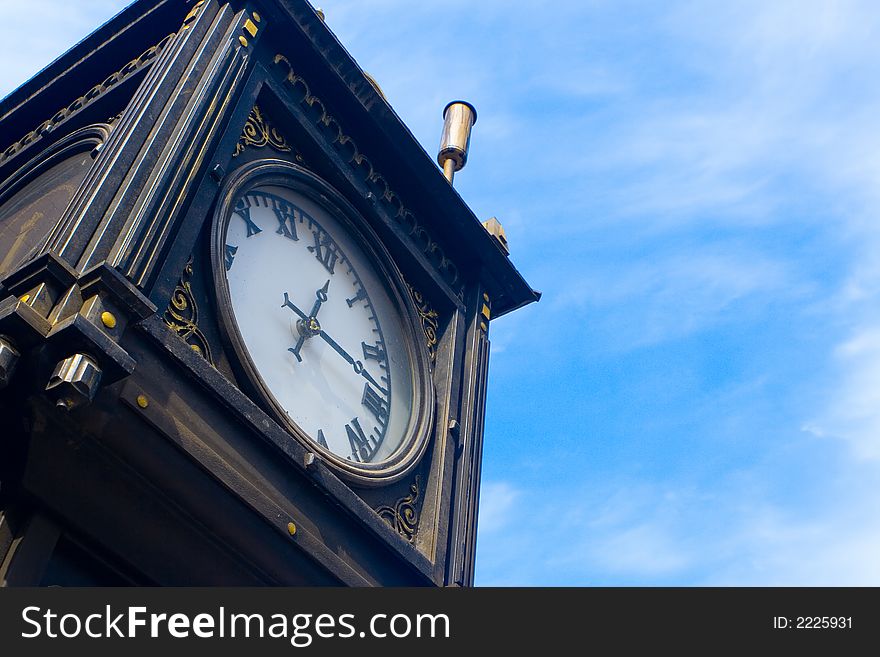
<point x="380" y="189"/>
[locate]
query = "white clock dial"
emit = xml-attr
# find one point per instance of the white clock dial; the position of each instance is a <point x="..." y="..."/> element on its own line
<point x="319" y="324"/>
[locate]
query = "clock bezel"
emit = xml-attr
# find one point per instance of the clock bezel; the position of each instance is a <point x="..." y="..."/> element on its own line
<point x="280" y="173"/>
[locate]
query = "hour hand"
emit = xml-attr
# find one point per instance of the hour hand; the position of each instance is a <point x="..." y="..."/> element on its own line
<point x="321" y="297"/>
<point x="295" y="350"/>
<point x="293" y="307"/>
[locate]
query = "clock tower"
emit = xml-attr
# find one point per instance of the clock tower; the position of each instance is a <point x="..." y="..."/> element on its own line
<point x="244" y="316"/>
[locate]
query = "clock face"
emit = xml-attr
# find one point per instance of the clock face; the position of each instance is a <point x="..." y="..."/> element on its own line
<point x="321" y="325"/>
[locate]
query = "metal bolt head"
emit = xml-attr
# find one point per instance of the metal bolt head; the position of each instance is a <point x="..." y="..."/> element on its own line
<point x="291" y="528"/>
<point x="8" y="360"/>
<point x="74" y="382"/>
<point x="142" y="401"/>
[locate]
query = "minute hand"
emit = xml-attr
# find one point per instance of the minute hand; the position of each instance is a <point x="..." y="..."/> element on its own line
<point x="356" y="364"/>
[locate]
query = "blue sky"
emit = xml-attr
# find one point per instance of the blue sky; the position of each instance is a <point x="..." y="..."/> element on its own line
<point x="695" y="187"/>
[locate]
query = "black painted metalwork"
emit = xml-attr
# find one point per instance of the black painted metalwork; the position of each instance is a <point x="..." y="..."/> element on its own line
<point x="168" y="465"/>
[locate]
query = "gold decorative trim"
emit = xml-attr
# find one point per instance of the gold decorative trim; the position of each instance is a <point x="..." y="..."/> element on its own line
<point x="192" y="15"/>
<point x="258" y="132"/>
<point x="182" y="315"/>
<point x="98" y="90"/>
<point x="359" y="162"/>
<point x="485" y="313"/>
<point x="430" y="323"/>
<point x="403" y="516"/>
<point x="250" y="27"/>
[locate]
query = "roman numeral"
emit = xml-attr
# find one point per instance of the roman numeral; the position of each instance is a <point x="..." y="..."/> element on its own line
<point x="230" y="255"/>
<point x="362" y="294"/>
<point x="371" y="352"/>
<point x="375" y="404"/>
<point x="286" y="215"/>
<point x="322" y="441"/>
<point x="245" y="213"/>
<point x="324" y="251"/>
<point x="361" y="449"/>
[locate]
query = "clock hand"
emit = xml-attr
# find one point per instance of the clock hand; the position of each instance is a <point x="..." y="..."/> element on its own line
<point x="295" y="350"/>
<point x="302" y="316"/>
<point x="290" y="304"/>
<point x="307" y="327"/>
<point x="356" y="364"/>
<point x="321" y="298"/>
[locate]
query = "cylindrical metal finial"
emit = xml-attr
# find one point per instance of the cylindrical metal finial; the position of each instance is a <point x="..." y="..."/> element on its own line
<point x="459" y="117"/>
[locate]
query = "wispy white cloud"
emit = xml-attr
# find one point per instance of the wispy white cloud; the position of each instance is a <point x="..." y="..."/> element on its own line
<point x="644" y="303"/>
<point x="59" y="25"/>
<point x="497" y="506"/>
<point x="584" y="539"/>
<point x="774" y="138"/>
<point x="652" y="534"/>
<point x="853" y="410"/>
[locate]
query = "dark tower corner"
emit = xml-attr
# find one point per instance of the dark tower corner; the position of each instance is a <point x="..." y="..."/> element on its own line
<point x="244" y="316"/>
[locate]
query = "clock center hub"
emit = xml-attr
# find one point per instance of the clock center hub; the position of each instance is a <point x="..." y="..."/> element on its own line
<point x="308" y="328"/>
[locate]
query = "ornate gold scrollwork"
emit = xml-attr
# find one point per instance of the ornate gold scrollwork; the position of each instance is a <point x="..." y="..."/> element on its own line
<point x="182" y="315"/>
<point x="430" y="322"/>
<point x="485" y="313"/>
<point x="403" y="516"/>
<point x="258" y="132"/>
<point x="361" y="164"/>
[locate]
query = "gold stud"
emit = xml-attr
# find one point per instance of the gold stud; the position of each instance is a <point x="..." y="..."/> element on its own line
<point x="142" y="401"/>
<point x="190" y="17"/>
<point x="291" y="528"/>
<point x="243" y="41"/>
<point x="257" y="17"/>
<point x="108" y="319"/>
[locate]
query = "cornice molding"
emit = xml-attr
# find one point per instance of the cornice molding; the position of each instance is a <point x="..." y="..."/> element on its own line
<point x="85" y="100"/>
<point x="362" y="165"/>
